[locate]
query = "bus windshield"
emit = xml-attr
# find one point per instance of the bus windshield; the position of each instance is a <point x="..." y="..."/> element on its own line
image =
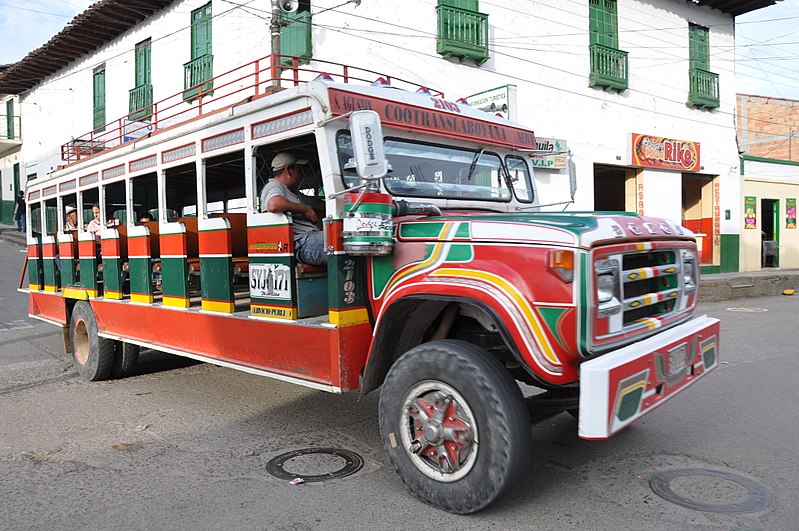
<point x="429" y="170"/>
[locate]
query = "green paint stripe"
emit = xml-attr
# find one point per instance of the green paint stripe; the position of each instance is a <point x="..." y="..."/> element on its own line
<point x="141" y="274"/>
<point x="421" y="230"/>
<point x="371" y="208"/>
<point x="174" y="274"/>
<point x="216" y="279"/>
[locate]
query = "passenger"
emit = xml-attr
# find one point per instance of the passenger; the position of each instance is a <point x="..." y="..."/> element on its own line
<point x="146" y="217"/>
<point x="281" y="195"/>
<point x="72" y="218"/>
<point x="94" y="225"/>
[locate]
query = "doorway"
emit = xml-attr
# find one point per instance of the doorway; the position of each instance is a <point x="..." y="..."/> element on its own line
<point x="770" y="232"/>
<point x="610" y="191"/>
<point x="697" y="212"/>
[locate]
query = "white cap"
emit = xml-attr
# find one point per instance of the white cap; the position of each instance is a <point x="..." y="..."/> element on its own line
<point x="70" y="209"/>
<point x="284" y="159"/>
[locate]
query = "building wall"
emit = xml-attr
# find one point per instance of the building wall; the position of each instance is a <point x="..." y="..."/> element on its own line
<point x="541" y="49"/>
<point x="768" y="127"/>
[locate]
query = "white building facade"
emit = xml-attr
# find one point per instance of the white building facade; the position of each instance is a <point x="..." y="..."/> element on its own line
<point x="641" y="93"/>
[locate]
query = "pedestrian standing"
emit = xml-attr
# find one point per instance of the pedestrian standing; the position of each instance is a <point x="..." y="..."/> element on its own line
<point x="19" y="212"/>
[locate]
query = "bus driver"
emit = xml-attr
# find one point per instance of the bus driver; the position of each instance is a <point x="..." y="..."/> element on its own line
<point x="281" y="195"/>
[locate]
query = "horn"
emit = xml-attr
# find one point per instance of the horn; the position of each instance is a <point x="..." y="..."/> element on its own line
<point x="288" y="6"/>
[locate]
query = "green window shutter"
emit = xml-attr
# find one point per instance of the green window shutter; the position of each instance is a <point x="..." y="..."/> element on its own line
<point x="143" y="68"/>
<point x="295" y="37"/>
<point x="10" y="120"/>
<point x="699" y="47"/>
<point x="141" y="95"/>
<point x="604" y="23"/>
<point x="98" y="92"/>
<point x="201" y="32"/>
<point x="201" y="66"/>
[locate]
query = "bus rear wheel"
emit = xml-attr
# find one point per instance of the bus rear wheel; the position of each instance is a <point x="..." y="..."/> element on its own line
<point x="454" y="425"/>
<point x="93" y="355"/>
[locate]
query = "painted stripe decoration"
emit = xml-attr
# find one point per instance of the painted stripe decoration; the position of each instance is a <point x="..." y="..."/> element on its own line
<point x="69" y="185"/>
<point x="224" y="140"/>
<point x="179" y="153"/>
<point x="50" y="190"/>
<point x="88" y="179"/>
<point x="271" y="127"/>
<point x="520" y="302"/>
<point x="143" y="164"/>
<point x="116" y="171"/>
<point x="33" y="196"/>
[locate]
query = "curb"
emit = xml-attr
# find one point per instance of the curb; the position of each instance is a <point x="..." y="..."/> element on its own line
<point x="746" y="285"/>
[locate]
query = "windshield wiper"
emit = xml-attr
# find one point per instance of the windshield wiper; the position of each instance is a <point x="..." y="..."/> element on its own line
<point x="474" y="164"/>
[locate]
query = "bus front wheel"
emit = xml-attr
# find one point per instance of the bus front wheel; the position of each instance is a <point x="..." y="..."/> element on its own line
<point x="454" y="425"/>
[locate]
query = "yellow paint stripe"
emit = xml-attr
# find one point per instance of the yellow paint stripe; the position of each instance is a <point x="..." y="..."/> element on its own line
<point x="146" y="299"/>
<point x="115" y="295"/>
<point x="349" y="317"/>
<point x="434" y="256"/>
<point x="521" y="303"/>
<point x="75" y="293"/>
<point x="217" y="306"/>
<point x="33" y="287"/>
<point x="50" y="288"/>
<point x="273" y="312"/>
<point x="177" y="302"/>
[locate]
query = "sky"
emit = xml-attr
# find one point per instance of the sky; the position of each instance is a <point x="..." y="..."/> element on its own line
<point x="767" y="40"/>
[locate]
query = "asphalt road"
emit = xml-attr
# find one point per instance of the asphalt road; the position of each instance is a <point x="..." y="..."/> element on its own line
<point x="183" y="445"/>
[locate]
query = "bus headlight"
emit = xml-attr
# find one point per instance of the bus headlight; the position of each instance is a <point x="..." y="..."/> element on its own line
<point x="689" y="271"/>
<point x="608" y="292"/>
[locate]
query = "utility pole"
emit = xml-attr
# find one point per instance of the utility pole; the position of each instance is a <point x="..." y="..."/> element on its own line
<point x="274" y="28"/>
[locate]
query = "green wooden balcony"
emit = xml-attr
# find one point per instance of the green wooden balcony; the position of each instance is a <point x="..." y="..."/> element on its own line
<point x="462" y="33"/>
<point x="99" y="118"/>
<point x="704" y="89"/>
<point x="195" y="72"/>
<point x="140" y="102"/>
<point x="608" y="67"/>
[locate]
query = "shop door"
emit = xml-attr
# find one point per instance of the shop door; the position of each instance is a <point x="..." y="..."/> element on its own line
<point x="697" y="213"/>
<point x="770" y="232"/>
<point x="609" y="188"/>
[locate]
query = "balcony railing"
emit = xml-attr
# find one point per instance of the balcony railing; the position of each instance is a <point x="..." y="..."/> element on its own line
<point x="704" y="89"/>
<point x="140" y="102"/>
<point x="99" y="118"/>
<point x="462" y="33"/>
<point x="11" y="130"/>
<point x="195" y="74"/>
<point x="608" y="67"/>
<point x="249" y="81"/>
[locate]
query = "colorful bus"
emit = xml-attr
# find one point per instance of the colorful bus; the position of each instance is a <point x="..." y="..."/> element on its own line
<point x="445" y="286"/>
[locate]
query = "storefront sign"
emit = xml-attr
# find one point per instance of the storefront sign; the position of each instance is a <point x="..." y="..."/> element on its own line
<point x="750" y="212"/>
<point x="717" y="213"/>
<point x="666" y="153"/>
<point x="790" y="213"/>
<point x="554" y="160"/>
<point x="500" y="100"/>
<point x="441" y="117"/>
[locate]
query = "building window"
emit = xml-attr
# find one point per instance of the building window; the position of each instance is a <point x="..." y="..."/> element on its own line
<point x="462" y="30"/>
<point x="10" y="119"/>
<point x="703" y="84"/>
<point x="295" y="35"/>
<point x="98" y="95"/>
<point x="201" y="66"/>
<point x="608" y="63"/>
<point x="140" y="98"/>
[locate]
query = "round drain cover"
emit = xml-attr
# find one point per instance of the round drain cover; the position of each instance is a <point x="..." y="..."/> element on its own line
<point x="352" y="463"/>
<point x="743" y="494"/>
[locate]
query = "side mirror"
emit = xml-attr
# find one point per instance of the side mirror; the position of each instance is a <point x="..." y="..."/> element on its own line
<point x="572" y="176"/>
<point x="367" y="145"/>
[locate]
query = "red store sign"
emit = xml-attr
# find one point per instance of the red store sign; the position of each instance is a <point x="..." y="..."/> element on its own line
<point x="666" y="153"/>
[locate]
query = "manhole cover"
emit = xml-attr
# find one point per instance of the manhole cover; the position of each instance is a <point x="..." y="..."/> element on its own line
<point x="710" y="491"/>
<point x="314" y="459"/>
<point x="747" y="310"/>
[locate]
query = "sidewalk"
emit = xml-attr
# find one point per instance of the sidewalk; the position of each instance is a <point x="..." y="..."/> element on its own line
<point x="712" y="288"/>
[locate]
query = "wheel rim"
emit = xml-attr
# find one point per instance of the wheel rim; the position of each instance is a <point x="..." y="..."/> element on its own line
<point x="81" y="339"/>
<point x="439" y="431"/>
